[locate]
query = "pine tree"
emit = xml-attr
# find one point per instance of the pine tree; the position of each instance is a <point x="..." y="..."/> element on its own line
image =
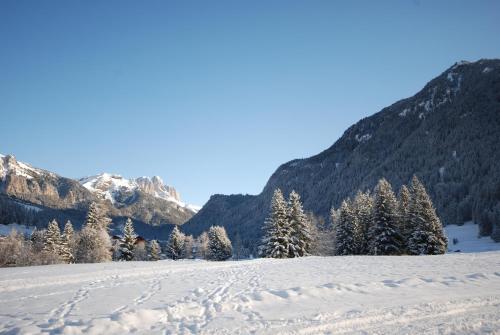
<point x="155" y="250"/>
<point x="219" y="245"/>
<point x="67" y="243"/>
<point x="346" y="231"/>
<point x="128" y="243"/>
<point x="427" y="237"/>
<point x="404" y="208"/>
<point x="385" y="238"/>
<point x="276" y="241"/>
<point x="363" y="211"/>
<point x="175" y="244"/>
<point x="52" y="239"/>
<point x="300" y="239"/>
<point x="96" y="218"/>
<point x="93" y="243"/>
<point x="92" y="220"/>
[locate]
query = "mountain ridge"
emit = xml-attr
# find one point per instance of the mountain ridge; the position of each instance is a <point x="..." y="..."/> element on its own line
<point x="145" y="199"/>
<point x="445" y="133"/>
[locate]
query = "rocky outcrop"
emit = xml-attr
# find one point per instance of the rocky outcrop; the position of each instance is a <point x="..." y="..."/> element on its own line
<point x="144" y="199"/>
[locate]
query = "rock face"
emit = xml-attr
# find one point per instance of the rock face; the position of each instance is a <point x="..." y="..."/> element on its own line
<point x="40" y="187"/>
<point x="447" y="134"/>
<point x="145" y="199"/>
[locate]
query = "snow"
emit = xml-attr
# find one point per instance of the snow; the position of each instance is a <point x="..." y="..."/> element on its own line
<point x="363" y="138"/>
<point x="18" y="168"/>
<point x="108" y="185"/>
<point x="468" y="240"/>
<point x="405" y="112"/>
<point x="487" y="69"/>
<point x="453" y="293"/>
<point x="460" y="63"/>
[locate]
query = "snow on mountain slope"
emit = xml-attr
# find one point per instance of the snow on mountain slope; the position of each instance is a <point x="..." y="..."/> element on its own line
<point x="467" y="239"/>
<point x="112" y="187"/>
<point x="9" y="164"/>
<point x="453" y="293"/>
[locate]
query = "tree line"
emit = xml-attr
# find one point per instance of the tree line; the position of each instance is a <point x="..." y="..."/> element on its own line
<point x="370" y="224"/>
<point x="377" y="223"/>
<point x="93" y="244"/>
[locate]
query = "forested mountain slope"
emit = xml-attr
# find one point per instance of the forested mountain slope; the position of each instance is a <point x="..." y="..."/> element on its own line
<point x="448" y="134"/>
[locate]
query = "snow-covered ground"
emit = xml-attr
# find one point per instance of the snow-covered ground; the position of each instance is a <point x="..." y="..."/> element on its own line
<point x="468" y="239"/>
<point x="456" y="293"/>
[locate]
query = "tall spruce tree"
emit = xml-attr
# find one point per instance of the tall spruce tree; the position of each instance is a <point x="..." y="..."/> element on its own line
<point x="219" y="245"/>
<point x="128" y="243"/>
<point x="404" y="210"/>
<point x="427" y="236"/>
<point x="67" y="243"/>
<point x="52" y="239"/>
<point x="175" y="244"/>
<point x="347" y="230"/>
<point x="385" y="238"/>
<point x="300" y="239"/>
<point x="94" y="243"/>
<point x="155" y="251"/>
<point x="276" y="240"/>
<point x="363" y="211"/>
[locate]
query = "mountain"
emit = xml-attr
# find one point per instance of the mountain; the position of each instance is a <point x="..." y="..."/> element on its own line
<point x="447" y="134"/>
<point x="147" y="200"/>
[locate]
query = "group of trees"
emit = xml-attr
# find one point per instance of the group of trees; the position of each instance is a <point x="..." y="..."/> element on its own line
<point x="370" y="224"/>
<point x="130" y="249"/>
<point x="92" y="244"/>
<point x="287" y="231"/>
<point x="214" y="245"/>
<point x="382" y="224"/>
<point x="374" y="224"/>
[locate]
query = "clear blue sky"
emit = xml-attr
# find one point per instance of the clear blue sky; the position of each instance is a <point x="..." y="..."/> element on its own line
<point x="214" y="95"/>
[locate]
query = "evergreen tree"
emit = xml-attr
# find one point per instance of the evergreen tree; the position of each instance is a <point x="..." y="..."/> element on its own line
<point x="96" y="218"/>
<point x="93" y="243"/>
<point x="300" y="239"/>
<point x="363" y="211"/>
<point x="276" y="239"/>
<point x="404" y="209"/>
<point x="385" y="238"/>
<point x="67" y="243"/>
<point x="52" y="239"/>
<point x="175" y="244"/>
<point x="128" y="243"/>
<point x="155" y="250"/>
<point x="347" y="231"/>
<point x="427" y="236"/>
<point x="219" y="245"/>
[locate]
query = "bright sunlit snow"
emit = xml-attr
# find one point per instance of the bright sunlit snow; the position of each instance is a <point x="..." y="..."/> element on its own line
<point x="452" y="293"/>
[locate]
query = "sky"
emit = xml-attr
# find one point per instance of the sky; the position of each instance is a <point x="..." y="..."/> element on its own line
<point x="214" y="95"/>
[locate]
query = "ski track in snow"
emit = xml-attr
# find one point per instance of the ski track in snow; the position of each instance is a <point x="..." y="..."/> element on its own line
<point x="449" y="294"/>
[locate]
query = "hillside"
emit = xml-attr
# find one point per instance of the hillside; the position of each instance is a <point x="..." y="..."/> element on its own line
<point x="35" y="196"/>
<point x="447" y="134"/>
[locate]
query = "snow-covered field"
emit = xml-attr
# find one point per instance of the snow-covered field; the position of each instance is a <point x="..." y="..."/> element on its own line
<point x="468" y="240"/>
<point x="453" y="293"/>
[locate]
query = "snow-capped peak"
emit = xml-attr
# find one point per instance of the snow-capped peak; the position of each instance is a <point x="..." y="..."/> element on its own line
<point x="110" y="186"/>
<point x="9" y="165"/>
